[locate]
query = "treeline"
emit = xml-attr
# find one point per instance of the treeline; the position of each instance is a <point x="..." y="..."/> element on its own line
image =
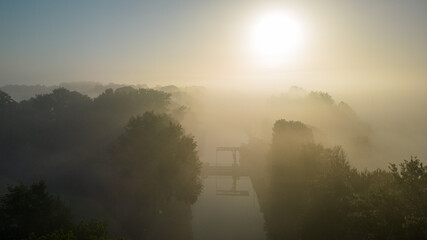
<point x="91" y="89"/>
<point x="307" y="191"/>
<point x="332" y="122"/>
<point x="32" y="213"/>
<point x="121" y="150"/>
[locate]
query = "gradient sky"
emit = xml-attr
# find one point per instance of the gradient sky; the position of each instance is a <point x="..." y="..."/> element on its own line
<point x="198" y="42"/>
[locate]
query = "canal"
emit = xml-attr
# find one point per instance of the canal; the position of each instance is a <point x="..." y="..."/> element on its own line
<point x="227" y="217"/>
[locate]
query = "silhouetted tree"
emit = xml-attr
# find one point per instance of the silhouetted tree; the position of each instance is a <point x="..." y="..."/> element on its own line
<point x="5" y="100"/>
<point x="156" y="166"/>
<point x="63" y="138"/>
<point x="312" y="192"/>
<point x="411" y="180"/>
<point x="25" y="210"/>
<point x="34" y="214"/>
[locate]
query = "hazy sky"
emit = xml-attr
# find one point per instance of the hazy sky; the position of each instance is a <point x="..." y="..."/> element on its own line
<point x="197" y="42"/>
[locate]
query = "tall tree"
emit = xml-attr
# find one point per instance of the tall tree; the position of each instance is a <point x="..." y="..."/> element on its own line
<point x="156" y="165"/>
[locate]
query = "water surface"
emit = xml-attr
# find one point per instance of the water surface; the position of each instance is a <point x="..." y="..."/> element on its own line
<point x="227" y="217"/>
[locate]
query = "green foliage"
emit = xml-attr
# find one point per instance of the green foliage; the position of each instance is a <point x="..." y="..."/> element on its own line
<point x="155" y="152"/>
<point x="32" y="213"/>
<point x="5" y="100"/>
<point x="93" y="230"/>
<point x="321" y="97"/>
<point x="288" y="138"/>
<point x="57" y="235"/>
<point x="130" y="101"/>
<point x="314" y="193"/>
<point x="411" y="181"/>
<point x="412" y="176"/>
<point x="39" y="132"/>
<point x="26" y="210"/>
<point x="332" y="120"/>
<point x="64" y="137"/>
<point x="155" y="164"/>
<point x="294" y="132"/>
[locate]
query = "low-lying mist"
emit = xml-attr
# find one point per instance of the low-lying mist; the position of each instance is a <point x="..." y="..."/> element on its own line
<point x="375" y="126"/>
<point x="374" y="130"/>
<point x="138" y="156"/>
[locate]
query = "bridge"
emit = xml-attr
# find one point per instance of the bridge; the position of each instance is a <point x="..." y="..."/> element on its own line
<point x="235" y="171"/>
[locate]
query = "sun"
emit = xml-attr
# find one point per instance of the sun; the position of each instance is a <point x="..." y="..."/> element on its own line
<point x="275" y="37"/>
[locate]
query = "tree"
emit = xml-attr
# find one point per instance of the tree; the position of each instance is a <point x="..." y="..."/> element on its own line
<point x="63" y="137"/>
<point x="25" y="210"/>
<point x="321" y="97"/>
<point x="7" y="123"/>
<point x="5" y="100"/>
<point x="411" y="181"/>
<point x="294" y="161"/>
<point x="155" y="165"/>
<point x="32" y="213"/>
<point x="314" y="193"/>
<point x="155" y="151"/>
<point x="127" y="101"/>
<point x="93" y="230"/>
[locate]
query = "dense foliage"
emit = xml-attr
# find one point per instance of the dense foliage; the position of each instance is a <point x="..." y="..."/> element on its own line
<point x="156" y="172"/>
<point x="331" y="121"/>
<point x="25" y="210"/>
<point x="124" y="152"/>
<point x="312" y="192"/>
<point x="32" y="213"/>
<point x="56" y="133"/>
<point x="120" y="150"/>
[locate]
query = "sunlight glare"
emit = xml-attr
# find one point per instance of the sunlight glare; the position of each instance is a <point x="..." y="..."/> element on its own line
<point x="274" y="38"/>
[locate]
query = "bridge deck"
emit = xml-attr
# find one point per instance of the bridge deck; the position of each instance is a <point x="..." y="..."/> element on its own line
<point x="226" y="171"/>
<point x="228" y="149"/>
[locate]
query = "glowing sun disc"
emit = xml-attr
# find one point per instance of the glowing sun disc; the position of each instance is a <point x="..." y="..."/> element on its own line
<point x="274" y="37"/>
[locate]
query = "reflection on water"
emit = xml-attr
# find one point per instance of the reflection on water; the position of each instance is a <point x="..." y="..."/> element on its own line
<point x="227" y="217"/>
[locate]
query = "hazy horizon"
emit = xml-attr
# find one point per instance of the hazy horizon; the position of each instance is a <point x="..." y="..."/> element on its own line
<point x="346" y="43"/>
<point x="206" y="120"/>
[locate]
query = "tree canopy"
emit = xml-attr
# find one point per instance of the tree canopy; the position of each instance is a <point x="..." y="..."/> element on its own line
<point x="119" y="149"/>
<point x="313" y="192"/>
<point x="155" y="165"/>
<point x="31" y="210"/>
